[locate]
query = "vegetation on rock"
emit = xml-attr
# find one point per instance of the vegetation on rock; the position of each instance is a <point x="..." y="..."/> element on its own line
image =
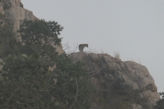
<point x="34" y="75"/>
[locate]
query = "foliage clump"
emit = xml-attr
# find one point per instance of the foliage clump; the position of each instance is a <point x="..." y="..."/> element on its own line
<point x="45" y="32"/>
<point x="35" y="76"/>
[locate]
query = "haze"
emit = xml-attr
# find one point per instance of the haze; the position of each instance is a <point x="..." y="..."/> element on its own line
<point x="132" y="28"/>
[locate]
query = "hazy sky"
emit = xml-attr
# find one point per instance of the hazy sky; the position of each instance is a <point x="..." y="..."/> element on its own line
<point x="132" y="28"/>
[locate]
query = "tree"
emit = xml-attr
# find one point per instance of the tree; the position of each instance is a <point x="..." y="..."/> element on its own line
<point x="35" y="76"/>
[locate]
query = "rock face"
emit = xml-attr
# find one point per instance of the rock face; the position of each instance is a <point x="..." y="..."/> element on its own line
<point x="119" y="85"/>
<point x="15" y="13"/>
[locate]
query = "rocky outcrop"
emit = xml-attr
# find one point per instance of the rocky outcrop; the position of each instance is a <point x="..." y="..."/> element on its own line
<point x="119" y="85"/>
<point x="16" y="14"/>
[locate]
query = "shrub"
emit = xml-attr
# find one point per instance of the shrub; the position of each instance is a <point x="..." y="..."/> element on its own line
<point x="35" y="76"/>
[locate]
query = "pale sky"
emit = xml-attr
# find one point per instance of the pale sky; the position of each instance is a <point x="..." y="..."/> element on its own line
<point x="132" y="28"/>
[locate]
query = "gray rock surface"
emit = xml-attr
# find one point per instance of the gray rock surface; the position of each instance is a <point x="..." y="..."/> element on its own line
<point x="14" y="11"/>
<point x="122" y="83"/>
<point x="16" y="14"/>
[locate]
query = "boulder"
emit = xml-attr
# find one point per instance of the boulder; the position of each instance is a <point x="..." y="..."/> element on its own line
<point x="119" y="84"/>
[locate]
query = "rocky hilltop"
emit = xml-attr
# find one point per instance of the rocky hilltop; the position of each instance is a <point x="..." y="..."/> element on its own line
<point x="118" y="83"/>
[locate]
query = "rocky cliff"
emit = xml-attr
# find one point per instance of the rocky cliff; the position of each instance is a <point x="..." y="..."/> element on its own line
<point x="118" y="84"/>
<point x="16" y="14"/>
<point x="14" y="11"/>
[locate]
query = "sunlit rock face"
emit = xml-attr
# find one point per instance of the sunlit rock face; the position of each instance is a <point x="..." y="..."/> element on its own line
<point x="119" y="84"/>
